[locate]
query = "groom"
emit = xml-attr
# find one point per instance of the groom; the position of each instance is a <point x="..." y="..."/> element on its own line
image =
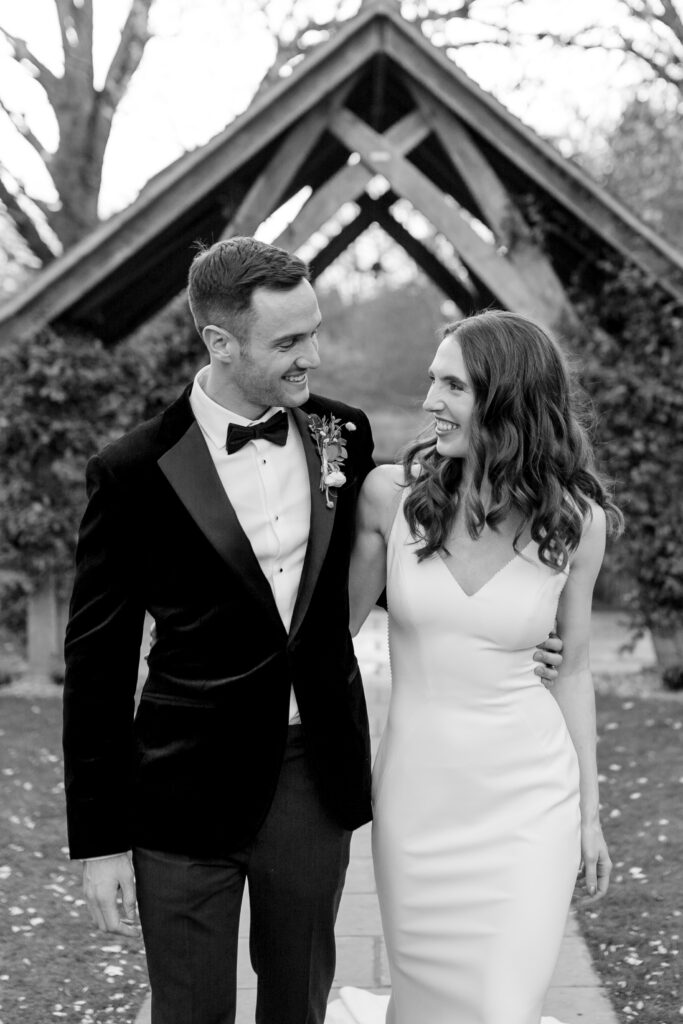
<point x="248" y="759"/>
<point x="249" y="756"/>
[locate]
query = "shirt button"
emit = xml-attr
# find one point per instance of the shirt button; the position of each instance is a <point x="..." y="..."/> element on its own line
<point x="281" y="570"/>
<point x="264" y="461"/>
<point x="277" y="519"/>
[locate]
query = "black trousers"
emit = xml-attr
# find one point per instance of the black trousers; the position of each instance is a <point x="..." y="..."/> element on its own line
<point x="189" y="912"/>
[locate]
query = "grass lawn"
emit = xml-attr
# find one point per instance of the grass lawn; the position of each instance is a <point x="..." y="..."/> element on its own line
<point x="635" y="935"/>
<point x="56" y="966"/>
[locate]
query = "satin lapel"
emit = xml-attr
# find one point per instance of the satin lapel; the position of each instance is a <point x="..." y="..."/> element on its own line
<point x="191" y="473"/>
<point x="322" y="521"/>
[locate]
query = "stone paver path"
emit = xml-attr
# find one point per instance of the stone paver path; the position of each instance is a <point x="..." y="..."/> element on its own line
<point x="576" y="996"/>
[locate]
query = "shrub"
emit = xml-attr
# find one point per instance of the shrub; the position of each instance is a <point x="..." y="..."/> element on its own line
<point x="62" y="397"/>
<point x="167" y="352"/>
<point x="633" y="353"/>
<point x="13" y="602"/>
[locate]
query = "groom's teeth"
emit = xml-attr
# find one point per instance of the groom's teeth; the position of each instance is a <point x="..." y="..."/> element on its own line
<point x="297" y="380"/>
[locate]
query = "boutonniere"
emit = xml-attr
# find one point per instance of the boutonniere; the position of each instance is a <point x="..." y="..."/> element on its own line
<point x="329" y="440"/>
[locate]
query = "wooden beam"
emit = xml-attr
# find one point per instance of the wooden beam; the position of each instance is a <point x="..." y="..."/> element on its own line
<point x="269" y="189"/>
<point x="477" y="174"/>
<point x="382" y="157"/>
<point x="189" y="181"/>
<point x="377" y="211"/>
<point x="379" y="91"/>
<point x="499" y="211"/>
<point x="571" y="187"/>
<point x="339" y="243"/>
<point x="265" y="194"/>
<point x="432" y="266"/>
<point x="347" y="185"/>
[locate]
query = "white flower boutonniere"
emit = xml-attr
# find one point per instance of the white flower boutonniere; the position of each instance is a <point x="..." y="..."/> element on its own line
<point x="329" y="440"/>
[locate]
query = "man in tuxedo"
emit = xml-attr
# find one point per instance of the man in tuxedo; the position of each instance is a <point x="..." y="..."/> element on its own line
<point x="248" y="758"/>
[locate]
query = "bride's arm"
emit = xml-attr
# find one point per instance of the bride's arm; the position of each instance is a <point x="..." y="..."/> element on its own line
<point x="574" y="693"/>
<point x="367" y="575"/>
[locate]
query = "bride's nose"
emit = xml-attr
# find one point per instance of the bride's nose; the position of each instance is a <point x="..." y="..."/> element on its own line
<point x="432" y="402"/>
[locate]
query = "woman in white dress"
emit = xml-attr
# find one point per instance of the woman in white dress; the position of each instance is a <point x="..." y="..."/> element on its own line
<point x="485" y="785"/>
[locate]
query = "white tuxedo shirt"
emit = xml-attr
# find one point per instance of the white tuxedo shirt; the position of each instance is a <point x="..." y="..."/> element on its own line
<point x="269" y="489"/>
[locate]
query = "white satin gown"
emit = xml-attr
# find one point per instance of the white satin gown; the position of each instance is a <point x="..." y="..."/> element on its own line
<point x="476" y="834"/>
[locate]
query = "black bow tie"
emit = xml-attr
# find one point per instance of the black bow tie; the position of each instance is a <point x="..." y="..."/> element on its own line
<point x="273" y="429"/>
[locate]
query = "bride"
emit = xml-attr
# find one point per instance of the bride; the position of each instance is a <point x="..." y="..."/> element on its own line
<point x="485" y="785"/>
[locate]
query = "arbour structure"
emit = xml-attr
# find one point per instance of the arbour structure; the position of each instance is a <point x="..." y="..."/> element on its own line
<point x="378" y="99"/>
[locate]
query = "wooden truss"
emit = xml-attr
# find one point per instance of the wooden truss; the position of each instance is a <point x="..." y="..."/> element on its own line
<point x="376" y="100"/>
<point x="509" y="267"/>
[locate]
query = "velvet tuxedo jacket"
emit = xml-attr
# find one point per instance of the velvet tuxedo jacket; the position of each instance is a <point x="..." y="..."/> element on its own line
<point x="194" y="770"/>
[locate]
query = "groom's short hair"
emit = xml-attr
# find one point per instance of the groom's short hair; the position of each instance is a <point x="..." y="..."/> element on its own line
<point x="223" y="278"/>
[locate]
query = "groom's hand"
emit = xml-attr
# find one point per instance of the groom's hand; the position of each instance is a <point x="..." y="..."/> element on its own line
<point x="549" y="656"/>
<point x="103" y="880"/>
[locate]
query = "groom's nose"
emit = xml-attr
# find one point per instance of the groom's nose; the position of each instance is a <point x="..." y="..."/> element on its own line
<point x="308" y="358"/>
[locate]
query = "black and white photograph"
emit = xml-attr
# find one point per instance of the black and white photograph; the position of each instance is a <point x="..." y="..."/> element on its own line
<point x="341" y="511"/>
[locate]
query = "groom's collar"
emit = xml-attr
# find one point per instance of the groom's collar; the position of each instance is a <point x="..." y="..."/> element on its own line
<point x="214" y="419"/>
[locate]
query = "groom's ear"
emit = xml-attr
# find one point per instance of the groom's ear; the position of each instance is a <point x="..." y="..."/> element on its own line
<point x="221" y="343"/>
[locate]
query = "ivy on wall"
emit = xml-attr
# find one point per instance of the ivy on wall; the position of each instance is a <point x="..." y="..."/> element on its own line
<point x="63" y="396"/>
<point x="632" y="357"/>
<point x="61" y="399"/>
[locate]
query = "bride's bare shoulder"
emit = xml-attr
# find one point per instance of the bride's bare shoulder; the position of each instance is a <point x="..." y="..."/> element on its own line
<point x="387" y="478"/>
<point x="381" y="494"/>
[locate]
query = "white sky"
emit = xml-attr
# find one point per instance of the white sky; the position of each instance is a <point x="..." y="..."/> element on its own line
<point x="207" y="57"/>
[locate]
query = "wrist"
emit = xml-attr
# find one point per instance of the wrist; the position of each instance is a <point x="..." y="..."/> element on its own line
<point x="105" y="856"/>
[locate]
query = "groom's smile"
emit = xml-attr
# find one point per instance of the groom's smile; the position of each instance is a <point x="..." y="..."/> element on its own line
<point x="270" y="366"/>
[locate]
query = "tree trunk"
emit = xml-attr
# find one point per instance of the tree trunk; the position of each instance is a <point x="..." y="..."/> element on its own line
<point x="44" y="641"/>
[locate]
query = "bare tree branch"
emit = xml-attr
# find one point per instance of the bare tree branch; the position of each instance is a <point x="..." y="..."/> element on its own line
<point x="21" y="53"/>
<point x="673" y="20"/>
<point x="653" y="36"/>
<point x="64" y="17"/>
<point x="47" y="209"/>
<point x="644" y="10"/>
<point x="76" y="27"/>
<point x="24" y="223"/>
<point x="20" y="124"/>
<point x="134" y="37"/>
<point x="667" y="70"/>
<point x="84" y="118"/>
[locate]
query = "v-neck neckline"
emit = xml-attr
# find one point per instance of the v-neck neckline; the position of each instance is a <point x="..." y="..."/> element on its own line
<point x="503" y="567"/>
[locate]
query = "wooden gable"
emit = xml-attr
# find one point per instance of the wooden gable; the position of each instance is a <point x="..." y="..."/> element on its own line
<point x="381" y="91"/>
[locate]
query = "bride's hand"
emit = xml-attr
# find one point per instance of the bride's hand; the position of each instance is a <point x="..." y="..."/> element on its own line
<point x="596" y="863"/>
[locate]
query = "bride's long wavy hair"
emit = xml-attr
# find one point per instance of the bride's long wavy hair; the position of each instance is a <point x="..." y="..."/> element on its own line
<point x="528" y="445"/>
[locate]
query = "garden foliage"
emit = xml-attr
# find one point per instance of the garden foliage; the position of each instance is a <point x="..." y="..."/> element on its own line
<point x="632" y="358"/>
<point x="64" y="397"/>
<point x="61" y="398"/>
